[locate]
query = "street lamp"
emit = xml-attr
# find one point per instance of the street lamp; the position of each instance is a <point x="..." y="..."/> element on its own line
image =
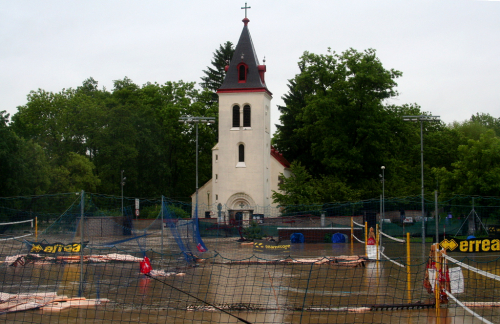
<point x="383" y="201"/>
<point x="122" y="183"/>
<point x="196" y="121"/>
<point x="421" y="119"/>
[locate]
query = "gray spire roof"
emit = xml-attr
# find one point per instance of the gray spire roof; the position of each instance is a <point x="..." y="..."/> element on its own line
<point x="244" y="53"/>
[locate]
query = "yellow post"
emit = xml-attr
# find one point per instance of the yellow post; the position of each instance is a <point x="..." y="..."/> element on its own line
<point x="437" y="288"/>
<point x="36" y="229"/>
<point x="408" y="269"/>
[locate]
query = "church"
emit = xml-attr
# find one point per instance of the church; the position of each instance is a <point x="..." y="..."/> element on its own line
<point x="245" y="167"/>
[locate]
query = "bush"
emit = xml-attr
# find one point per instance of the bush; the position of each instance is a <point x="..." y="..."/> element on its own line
<point x="254" y="232"/>
<point x="154" y="211"/>
<point x="179" y="212"/>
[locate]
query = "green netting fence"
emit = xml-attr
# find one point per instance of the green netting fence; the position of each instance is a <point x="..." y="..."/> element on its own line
<point x="47" y="277"/>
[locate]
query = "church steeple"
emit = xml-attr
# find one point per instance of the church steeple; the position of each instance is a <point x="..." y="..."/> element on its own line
<point x="245" y="168"/>
<point x="244" y="72"/>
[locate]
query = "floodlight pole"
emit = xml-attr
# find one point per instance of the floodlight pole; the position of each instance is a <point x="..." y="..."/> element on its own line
<point x="421" y="119"/>
<point x="196" y="121"/>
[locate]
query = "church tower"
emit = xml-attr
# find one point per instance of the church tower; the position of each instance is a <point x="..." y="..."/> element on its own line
<point x="241" y="159"/>
<point x="245" y="168"/>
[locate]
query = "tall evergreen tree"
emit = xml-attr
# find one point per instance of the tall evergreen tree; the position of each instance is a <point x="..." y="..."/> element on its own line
<point x="214" y="75"/>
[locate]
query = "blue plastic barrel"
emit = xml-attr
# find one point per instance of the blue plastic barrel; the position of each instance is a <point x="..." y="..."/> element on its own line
<point x="338" y="238"/>
<point x="297" y="238"/>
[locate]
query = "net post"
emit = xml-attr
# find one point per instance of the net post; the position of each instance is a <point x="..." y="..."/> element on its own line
<point x="436" y="215"/>
<point x="162" y="225"/>
<point x="36" y="228"/>
<point x="352" y="234"/>
<point x="408" y="268"/>
<point x="377" y="239"/>
<point x="437" y="288"/>
<point x="366" y="238"/>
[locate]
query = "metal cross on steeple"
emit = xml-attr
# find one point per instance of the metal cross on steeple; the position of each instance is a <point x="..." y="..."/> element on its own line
<point x="245" y="7"/>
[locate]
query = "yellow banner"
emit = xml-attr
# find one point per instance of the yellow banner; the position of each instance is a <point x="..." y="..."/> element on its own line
<point x="56" y="247"/>
<point x="471" y="246"/>
<point x="262" y="245"/>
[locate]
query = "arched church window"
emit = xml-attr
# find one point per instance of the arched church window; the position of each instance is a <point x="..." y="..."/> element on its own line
<point x="242" y="73"/>
<point x="236" y="116"/>
<point x="241" y="153"/>
<point x="246" y="116"/>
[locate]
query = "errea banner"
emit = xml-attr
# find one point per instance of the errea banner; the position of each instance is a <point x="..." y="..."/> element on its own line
<point x="471" y="246"/>
<point x="56" y="247"/>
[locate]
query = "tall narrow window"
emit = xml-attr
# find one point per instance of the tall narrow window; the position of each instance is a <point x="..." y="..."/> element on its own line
<point x="246" y="116"/>
<point x="242" y="73"/>
<point x="241" y="153"/>
<point x="236" y="116"/>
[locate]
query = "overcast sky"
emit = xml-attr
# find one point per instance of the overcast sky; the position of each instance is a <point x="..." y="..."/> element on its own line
<point x="448" y="50"/>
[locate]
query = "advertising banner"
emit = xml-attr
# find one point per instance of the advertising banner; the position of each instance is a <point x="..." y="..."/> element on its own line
<point x="471" y="246"/>
<point x="271" y="246"/>
<point x="56" y="247"/>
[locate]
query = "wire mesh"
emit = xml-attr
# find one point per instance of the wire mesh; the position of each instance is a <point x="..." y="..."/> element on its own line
<point x="233" y="280"/>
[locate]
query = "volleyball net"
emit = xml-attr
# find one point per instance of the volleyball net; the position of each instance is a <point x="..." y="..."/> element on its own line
<point x="84" y="262"/>
<point x="473" y="286"/>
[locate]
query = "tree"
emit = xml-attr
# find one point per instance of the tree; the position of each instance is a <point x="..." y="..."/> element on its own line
<point x="302" y="189"/>
<point x="90" y="135"/>
<point x="476" y="170"/>
<point x="214" y="76"/>
<point x="24" y="167"/>
<point x="488" y="121"/>
<point x="335" y="122"/>
<point x="76" y="174"/>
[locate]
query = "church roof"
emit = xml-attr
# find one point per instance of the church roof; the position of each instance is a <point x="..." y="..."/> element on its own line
<point x="244" y="53"/>
<point x="279" y="157"/>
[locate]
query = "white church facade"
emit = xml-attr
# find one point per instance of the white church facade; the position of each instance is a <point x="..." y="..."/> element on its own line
<point x="245" y="167"/>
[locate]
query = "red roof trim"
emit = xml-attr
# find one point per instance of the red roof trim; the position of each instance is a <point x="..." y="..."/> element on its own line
<point x="279" y="157"/>
<point x="244" y="90"/>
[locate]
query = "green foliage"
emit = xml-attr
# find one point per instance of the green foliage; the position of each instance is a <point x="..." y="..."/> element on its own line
<point x="338" y="122"/>
<point x="336" y="125"/>
<point x="151" y="211"/>
<point x="87" y="136"/>
<point x="179" y="212"/>
<point x="24" y="167"/>
<point x="339" y="131"/>
<point x="77" y="173"/>
<point x="476" y="170"/>
<point x="253" y="232"/>
<point x="487" y="121"/>
<point x="301" y="189"/>
<point x="214" y="76"/>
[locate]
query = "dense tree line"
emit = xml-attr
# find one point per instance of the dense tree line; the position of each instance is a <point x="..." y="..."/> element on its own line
<point x="338" y="130"/>
<point x="82" y="138"/>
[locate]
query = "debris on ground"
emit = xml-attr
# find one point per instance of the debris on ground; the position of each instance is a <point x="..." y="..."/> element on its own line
<point x="47" y="301"/>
